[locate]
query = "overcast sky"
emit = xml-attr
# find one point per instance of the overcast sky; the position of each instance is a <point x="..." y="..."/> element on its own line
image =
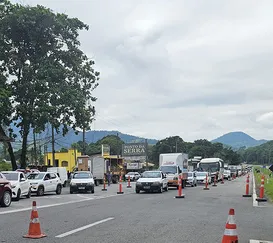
<point x="197" y="69"/>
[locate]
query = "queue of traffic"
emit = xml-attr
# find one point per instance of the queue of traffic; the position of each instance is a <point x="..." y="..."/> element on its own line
<point x="172" y="166"/>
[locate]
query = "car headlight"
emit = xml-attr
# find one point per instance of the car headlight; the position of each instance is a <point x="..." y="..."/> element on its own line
<point x="13" y="186"/>
<point x="156" y="183"/>
<point x="138" y="183"/>
<point x="89" y="184"/>
<point x="34" y="183"/>
<point x="73" y="184"/>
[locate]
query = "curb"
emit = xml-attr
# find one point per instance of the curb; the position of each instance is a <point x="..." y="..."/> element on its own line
<point x="255" y="203"/>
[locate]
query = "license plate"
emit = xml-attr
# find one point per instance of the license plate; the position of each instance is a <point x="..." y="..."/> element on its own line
<point x="81" y="188"/>
<point x="146" y="187"/>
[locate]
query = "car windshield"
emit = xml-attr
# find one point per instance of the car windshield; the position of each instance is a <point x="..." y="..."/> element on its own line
<point x="189" y="174"/>
<point x="11" y="176"/>
<point x="151" y="175"/>
<point x="169" y="169"/>
<point x="39" y="176"/>
<point x="82" y="175"/>
<point x="201" y="174"/>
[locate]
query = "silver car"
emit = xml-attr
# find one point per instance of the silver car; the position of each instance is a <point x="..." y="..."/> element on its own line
<point x="133" y="176"/>
<point x="192" y="181"/>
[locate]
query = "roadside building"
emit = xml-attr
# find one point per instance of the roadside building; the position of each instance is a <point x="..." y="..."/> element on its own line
<point x="63" y="159"/>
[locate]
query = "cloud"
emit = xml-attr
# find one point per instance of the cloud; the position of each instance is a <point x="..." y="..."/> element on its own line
<point x="194" y="69"/>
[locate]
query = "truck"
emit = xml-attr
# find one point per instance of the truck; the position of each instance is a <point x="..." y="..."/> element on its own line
<point x="174" y="165"/>
<point x="213" y="165"/>
<point x="95" y="164"/>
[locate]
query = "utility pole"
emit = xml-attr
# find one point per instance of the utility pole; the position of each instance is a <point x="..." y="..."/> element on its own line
<point x="53" y="145"/>
<point x="146" y="148"/>
<point x="83" y="141"/>
<point x="45" y="153"/>
<point x="35" y="148"/>
<point x="117" y="147"/>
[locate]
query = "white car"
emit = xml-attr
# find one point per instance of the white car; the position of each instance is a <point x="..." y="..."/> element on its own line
<point x="133" y="176"/>
<point x="201" y="177"/>
<point x="82" y="181"/>
<point x="44" y="182"/>
<point x="19" y="184"/>
<point x="152" y="181"/>
<point x="227" y="174"/>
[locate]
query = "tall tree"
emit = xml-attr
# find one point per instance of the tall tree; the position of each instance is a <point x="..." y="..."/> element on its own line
<point x="52" y="79"/>
<point x="5" y="116"/>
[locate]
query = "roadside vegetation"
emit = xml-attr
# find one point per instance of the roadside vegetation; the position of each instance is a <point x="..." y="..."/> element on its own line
<point x="268" y="182"/>
<point x="5" y="166"/>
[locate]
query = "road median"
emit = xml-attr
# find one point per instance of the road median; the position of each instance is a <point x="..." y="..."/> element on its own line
<point x="268" y="185"/>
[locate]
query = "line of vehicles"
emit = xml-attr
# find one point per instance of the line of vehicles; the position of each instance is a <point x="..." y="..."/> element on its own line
<point x="17" y="184"/>
<point x="175" y="165"/>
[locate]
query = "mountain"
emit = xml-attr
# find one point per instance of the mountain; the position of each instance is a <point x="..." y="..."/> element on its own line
<point x="65" y="142"/>
<point x="238" y="140"/>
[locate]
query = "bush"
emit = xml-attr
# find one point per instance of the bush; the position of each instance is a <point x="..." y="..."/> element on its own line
<point x="5" y="166"/>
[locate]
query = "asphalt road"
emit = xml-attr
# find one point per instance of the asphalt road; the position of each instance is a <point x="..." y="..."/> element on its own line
<point x="146" y="217"/>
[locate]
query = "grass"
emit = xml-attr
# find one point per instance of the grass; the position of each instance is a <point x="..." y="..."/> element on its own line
<point x="268" y="182"/>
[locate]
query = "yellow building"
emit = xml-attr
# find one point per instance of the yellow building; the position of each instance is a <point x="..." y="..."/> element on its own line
<point x="63" y="159"/>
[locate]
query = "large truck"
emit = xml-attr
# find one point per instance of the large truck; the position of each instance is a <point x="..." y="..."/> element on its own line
<point x="173" y="165"/>
<point x="215" y="166"/>
<point x="94" y="164"/>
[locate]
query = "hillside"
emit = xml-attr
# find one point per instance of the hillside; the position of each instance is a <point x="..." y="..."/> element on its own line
<point x="238" y="140"/>
<point x="90" y="137"/>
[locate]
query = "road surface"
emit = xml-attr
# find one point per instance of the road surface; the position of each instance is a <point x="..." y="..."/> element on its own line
<point x="140" y="218"/>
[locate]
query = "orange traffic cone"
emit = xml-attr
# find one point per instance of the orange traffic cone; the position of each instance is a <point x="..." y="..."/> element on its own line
<point x="230" y="234"/>
<point x="34" y="231"/>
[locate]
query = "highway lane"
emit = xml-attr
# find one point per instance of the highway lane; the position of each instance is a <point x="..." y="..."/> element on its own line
<point x="64" y="198"/>
<point x="200" y="217"/>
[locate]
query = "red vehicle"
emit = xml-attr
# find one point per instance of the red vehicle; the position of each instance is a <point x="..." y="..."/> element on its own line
<point x="5" y="191"/>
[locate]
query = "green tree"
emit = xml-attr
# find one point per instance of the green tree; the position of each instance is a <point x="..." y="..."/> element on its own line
<point x="5" y="116"/>
<point x="114" y="142"/>
<point x="200" y="147"/>
<point x="52" y="79"/>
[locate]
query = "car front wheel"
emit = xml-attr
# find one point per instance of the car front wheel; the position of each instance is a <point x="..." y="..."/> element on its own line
<point x="160" y="190"/>
<point x="18" y="195"/>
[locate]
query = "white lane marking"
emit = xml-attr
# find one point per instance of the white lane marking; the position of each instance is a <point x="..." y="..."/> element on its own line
<point x="254" y="195"/>
<point x="84" y="196"/>
<point x="57" y="204"/>
<point x="83" y="228"/>
<point x="259" y="241"/>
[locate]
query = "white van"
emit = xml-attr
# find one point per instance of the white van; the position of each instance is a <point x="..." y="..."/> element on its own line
<point x="61" y="172"/>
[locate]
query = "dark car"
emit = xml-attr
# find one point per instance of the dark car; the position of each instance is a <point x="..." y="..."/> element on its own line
<point x="5" y="191"/>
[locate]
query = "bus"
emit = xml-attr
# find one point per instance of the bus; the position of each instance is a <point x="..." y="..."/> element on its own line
<point x="213" y="165"/>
